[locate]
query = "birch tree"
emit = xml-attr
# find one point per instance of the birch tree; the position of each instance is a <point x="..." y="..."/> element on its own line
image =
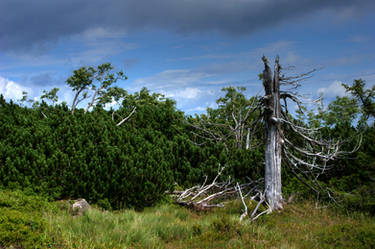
<point x="104" y="79"/>
<point x="80" y="81"/>
<point x="95" y="84"/>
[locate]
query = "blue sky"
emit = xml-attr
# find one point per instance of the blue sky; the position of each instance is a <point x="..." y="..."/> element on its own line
<point x="185" y="49"/>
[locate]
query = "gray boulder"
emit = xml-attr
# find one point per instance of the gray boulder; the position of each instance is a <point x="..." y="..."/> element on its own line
<point x="80" y="206"/>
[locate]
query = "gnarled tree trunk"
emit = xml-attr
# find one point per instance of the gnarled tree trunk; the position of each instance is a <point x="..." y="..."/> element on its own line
<point x="274" y="141"/>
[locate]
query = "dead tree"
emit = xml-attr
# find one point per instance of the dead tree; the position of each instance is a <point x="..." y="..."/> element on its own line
<point x="232" y="124"/>
<point x="274" y="142"/>
<point x="309" y="159"/>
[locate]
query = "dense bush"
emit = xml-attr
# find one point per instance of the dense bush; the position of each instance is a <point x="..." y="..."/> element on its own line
<point x="85" y="155"/>
<point x="21" y="220"/>
<point x="50" y="151"/>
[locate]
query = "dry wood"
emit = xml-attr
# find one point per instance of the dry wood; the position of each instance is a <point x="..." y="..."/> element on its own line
<point x="214" y="194"/>
<point x="307" y="161"/>
<point x="127" y="117"/>
<point x="244" y="214"/>
<point x="274" y="141"/>
<point x="237" y="127"/>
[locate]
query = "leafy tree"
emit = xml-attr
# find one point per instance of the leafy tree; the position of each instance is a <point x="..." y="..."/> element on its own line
<point x="102" y="91"/>
<point x="343" y="111"/>
<point x="80" y="81"/>
<point x="365" y="96"/>
<point x="98" y="81"/>
<point x="51" y="95"/>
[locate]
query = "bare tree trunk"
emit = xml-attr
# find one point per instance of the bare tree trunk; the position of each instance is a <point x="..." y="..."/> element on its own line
<point x="274" y="142"/>
<point x="92" y="101"/>
<point x="248" y="139"/>
<point x="76" y="100"/>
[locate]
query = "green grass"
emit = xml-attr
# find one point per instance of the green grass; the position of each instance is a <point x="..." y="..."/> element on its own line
<point x="21" y="220"/>
<point x="299" y="225"/>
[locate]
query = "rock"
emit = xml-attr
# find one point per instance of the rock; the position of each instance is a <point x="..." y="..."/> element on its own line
<point x="80" y="206"/>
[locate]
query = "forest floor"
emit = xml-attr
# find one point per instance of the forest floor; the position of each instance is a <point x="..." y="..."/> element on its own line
<point x="28" y="221"/>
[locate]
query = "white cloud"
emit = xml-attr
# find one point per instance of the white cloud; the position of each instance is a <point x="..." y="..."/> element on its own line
<point x="197" y="109"/>
<point x="187" y="93"/>
<point x="113" y="104"/>
<point x="202" y="108"/>
<point x="190" y="93"/>
<point x="12" y="90"/>
<point x="170" y="79"/>
<point x="333" y="90"/>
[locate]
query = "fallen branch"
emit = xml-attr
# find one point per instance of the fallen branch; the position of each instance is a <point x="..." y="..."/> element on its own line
<point x="262" y="199"/>
<point x="244" y="214"/>
<point x="212" y="195"/>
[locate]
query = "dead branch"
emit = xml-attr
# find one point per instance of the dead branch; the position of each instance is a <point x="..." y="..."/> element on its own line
<point x="200" y="197"/>
<point x="207" y="196"/>
<point x="244" y="214"/>
<point x="236" y="125"/>
<point x="126" y="118"/>
<point x="44" y="115"/>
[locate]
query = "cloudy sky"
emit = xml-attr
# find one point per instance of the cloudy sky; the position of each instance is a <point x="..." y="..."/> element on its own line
<point x="185" y="49"/>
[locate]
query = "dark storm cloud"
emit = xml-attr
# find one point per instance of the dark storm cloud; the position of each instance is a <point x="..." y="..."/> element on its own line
<point x="36" y="24"/>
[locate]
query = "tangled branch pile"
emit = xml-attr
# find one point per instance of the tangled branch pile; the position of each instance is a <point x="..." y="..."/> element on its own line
<point x="214" y="194"/>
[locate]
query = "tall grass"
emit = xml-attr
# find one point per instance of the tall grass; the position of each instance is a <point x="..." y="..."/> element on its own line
<point x="152" y="228"/>
<point x="169" y="226"/>
<point x="28" y="221"/>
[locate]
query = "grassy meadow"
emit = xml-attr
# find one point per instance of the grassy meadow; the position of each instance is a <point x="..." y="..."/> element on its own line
<point x="29" y="221"/>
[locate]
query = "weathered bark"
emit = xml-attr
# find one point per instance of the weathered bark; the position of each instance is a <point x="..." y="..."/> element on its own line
<point x="93" y="99"/>
<point x="274" y="141"/>
<point x="74" y="102"/>
<point x="248" y="139"/>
